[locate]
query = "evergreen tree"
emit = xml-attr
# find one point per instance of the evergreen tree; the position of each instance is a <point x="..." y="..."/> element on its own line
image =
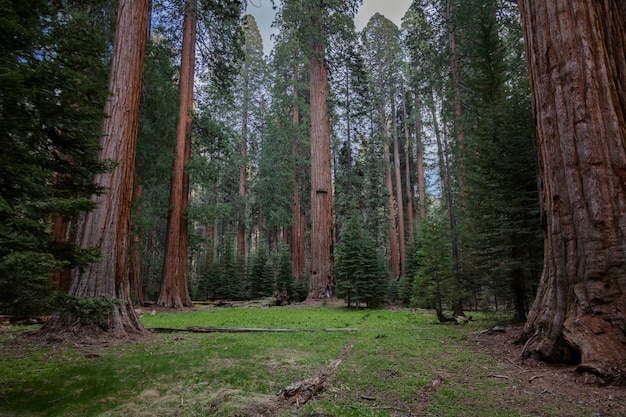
<point x="361" y="277"/>
<point x="52" y="95"/>
<point x="157" y="132"/>
<point x="435" y="285"/>
<point x="260" y="274"/>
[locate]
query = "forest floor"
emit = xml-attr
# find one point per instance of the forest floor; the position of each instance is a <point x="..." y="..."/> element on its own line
<point x="558" y="384"/>
<point x="508" y="385"/>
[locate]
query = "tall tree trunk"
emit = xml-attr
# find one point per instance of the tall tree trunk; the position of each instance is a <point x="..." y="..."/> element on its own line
<point x="174" y="292"/>
<point x="243" y="169"/>
<point x="321" y="186"/>
<point x="393" y="234"/>
<point x="408" y="184"/>
<point x="296" y="236"/>
<point x="419" y="146"/>
<point x="107" y="227"/>
<point x="399" y="199"/>
<point x="576" y="53"/>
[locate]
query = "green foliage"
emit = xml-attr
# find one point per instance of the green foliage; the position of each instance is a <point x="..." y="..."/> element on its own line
<point x="434" y="282"/>
<point x="260" y="274"/>
<point x="288" y="288"/>
<point x="155" y="142"/>
<point x="52" y="94"/>
<point x="361" y="277"/>
<point x="503" y="238"/>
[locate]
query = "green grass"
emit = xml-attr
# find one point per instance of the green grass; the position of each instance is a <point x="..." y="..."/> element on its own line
<point x="393" y="358"/>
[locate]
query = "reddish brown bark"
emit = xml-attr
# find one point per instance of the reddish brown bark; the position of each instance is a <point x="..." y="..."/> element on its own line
<point x="408" y="184"/>
<point x="399" y="199"/>
<point x="108" y="225"/>
<point x="321" y="186"/>
<point x="174" y="292"/>
<point x="576" y="57"/>
<point x="61" y="278"/>
<point x="393" y="234"/>
<point x="296" y="241"/>
<point x="419" y="146"/>
<point x="243" y="170"/>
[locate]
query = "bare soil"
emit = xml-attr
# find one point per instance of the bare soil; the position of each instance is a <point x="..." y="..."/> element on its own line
<point x="543" y="382"/>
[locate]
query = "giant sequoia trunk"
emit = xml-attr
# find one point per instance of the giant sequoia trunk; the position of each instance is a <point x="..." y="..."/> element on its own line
<point x="174" y="292"/>
<point x="321" y="186"/>
<point x="108" y="226"/>
<point x="576" y="53"/>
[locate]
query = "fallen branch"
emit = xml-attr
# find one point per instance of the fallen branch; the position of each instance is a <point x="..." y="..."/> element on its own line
<point x="209" y="329"/>
<point x="498" y="376"/>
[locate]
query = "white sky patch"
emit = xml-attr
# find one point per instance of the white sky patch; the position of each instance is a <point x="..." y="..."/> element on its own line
<point x="264" y="14"/>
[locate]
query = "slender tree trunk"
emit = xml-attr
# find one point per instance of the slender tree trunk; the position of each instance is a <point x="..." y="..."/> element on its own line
<point x="107" y="227"/>
<point x="393" y="234"/>
<point x="421" y="180"/>
<point x="576" y="54"/>
<point x="399" y="199"/>
<point x="174" y="292"/>
<point x="296" y="236"/>
<point x="61" y="278"/>
<point x="243" y="171"/>
<point x="407" y="167"/>
<point x="135" y="256"/>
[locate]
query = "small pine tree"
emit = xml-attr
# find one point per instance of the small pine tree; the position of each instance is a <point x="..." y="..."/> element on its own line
<point x="359" y="270"/>
<point x="260" y="277"/>
<point x="434" y="281"/>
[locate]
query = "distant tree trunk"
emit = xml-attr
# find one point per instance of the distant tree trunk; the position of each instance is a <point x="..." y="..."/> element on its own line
<point x="174" y="292"/>
<point x="61" y="278"/>
<point x="421" y="180"/>
<point x="393" y="234"/>
<point x="399" y="198"/>
<point x="134" y="273"/>
<point x="108" y="225"/>
<point x="321" y="185"/>
<point x="408" y="184"/>
<point x="243" y="169"/>
<point x="576" y="53"/>
<point x="297" y="236"/>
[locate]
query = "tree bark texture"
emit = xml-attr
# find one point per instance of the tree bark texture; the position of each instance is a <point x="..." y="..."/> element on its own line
<point x="419" y="148"/>
<point x="107" y="227"/>
<point x="321" y="186"/>
<point x="173" y="292"/>
<point x="407" y="170"/>
<point x="243" y="170"/>
<point x="576" y="57"/>
<point x="393" y="234"/>
<point x="296" y="242"/>
<point x="399" y="198"/>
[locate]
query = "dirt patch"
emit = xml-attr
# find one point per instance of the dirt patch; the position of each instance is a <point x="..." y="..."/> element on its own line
<point x="555" y="384"/>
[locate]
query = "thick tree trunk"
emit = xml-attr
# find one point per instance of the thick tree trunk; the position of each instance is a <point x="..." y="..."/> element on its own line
<point x="321" y="186"/>
<point x="576" y="52"/>
<point x="108" y="226"/>
<point x="174" y="292"/>
<point x="399" y="198"/>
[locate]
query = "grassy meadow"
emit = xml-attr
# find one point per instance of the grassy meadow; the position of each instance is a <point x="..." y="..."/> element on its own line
<point x="393" y="363"/>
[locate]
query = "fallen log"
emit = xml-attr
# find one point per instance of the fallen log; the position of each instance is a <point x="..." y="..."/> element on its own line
<point x="210" y="329"/>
